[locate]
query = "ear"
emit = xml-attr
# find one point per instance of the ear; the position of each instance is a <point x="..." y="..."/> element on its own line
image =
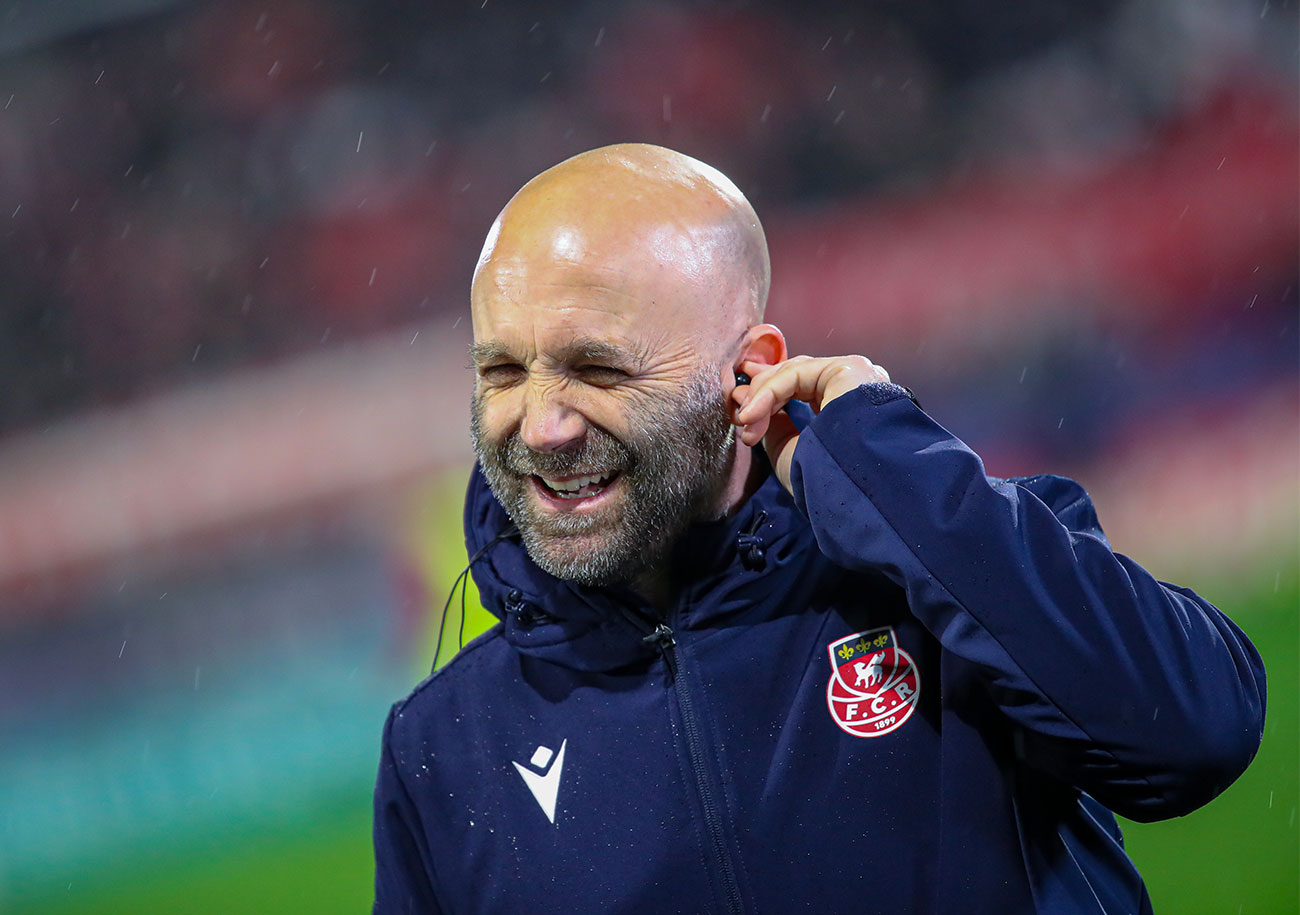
<point x="763" y="343"/>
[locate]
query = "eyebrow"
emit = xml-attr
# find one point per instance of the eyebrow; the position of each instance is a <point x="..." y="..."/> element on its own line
<point x="580" y="349"/>
<point x="487" y="351"/>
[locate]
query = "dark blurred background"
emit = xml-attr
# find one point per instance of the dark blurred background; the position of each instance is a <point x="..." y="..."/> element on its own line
<point x="235" y="248"/>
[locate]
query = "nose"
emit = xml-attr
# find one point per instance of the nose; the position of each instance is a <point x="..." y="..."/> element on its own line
<point x="550" y="423"/>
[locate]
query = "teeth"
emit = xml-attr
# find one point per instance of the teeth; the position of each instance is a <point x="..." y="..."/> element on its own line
<point x="577" y="483"/>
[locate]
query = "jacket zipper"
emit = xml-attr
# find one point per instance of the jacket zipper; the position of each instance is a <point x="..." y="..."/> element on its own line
<point x="663" y="638"/>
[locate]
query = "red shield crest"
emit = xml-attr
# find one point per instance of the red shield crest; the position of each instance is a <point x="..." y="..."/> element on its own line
<point x="874" y="684"/>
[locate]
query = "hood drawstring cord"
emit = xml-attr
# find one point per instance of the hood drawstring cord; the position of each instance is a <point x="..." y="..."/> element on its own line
<point x="527" y="614"/>
<point x="749" y="544"/>
<point x="655" y="633"/>
<point x="462" y="582"/>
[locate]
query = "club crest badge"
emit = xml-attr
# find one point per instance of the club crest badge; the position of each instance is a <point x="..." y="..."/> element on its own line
<point x="874" y="684"/>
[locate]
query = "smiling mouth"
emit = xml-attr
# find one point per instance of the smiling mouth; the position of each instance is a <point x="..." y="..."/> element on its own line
<point x="575" y="487"/>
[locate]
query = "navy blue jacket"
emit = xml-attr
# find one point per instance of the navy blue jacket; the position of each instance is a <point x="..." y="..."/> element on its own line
<point x="909" y="688"/>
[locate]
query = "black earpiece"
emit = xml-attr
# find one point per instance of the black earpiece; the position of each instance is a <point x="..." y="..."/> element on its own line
<point x="741" y="378"/>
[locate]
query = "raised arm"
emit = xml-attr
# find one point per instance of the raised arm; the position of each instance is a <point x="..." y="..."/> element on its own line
<point x="1138" y="692"/>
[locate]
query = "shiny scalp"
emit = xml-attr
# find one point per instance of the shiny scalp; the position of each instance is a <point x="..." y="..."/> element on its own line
<point x="639" y="202"/>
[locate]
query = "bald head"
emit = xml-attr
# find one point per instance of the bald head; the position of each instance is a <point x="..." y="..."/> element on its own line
<point x="617" y="295"/>
<point x="670" y="236"/>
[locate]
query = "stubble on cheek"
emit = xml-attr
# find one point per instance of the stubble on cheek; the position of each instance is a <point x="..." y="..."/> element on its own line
<point x="672" y="465"/>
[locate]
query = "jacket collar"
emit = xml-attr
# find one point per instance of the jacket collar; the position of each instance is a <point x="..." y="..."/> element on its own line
<point x="746" y="561"/>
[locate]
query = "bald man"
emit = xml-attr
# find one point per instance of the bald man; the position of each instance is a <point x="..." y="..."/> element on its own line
<point x="770" y="639"/>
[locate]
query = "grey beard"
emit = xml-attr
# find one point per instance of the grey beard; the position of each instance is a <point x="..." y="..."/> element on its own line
<point x="673" y="468"/>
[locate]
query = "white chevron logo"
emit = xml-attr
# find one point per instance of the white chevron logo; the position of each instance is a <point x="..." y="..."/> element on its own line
<point x="544" y="785"/>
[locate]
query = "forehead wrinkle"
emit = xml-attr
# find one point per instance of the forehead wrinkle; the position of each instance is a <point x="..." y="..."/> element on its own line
<point x="501" y="286"/>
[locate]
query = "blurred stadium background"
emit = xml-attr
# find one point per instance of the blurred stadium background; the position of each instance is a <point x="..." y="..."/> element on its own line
<point x="235" y="248"/>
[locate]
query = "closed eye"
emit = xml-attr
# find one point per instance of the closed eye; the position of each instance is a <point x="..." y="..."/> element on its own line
<point x="502" y="373"/>
<point x="593" y="373"/>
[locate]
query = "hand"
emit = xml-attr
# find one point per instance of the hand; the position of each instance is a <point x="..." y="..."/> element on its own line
<point x="815" y="381"/>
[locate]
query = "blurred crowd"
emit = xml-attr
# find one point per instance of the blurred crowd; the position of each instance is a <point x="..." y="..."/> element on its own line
<point x="190" y="187"/>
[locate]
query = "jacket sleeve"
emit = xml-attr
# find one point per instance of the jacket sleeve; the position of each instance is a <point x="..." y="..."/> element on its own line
<point x="402" y="883"/>
<point x="1140" y="693"/>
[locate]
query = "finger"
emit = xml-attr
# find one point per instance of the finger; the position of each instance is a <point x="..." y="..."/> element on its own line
<point x="779" y="443"/>
<point x="758" y="404"/>
<point x="752" y="433"/>
<point x="797" y="378"/>
<point x="756" y="371"/>
<point x="762" y="405"/>
<point x="740" y="394"/>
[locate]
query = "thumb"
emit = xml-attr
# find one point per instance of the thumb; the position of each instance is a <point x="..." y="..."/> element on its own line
<point x="779" y="443"/>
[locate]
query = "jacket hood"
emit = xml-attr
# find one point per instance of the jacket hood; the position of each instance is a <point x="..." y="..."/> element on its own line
<point x="748" y="559"/>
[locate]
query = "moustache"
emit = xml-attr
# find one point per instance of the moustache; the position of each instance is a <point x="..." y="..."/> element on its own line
<point x="600" y="453"/>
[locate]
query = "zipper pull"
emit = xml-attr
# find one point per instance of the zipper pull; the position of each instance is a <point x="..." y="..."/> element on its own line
<point x="662" y="638"/>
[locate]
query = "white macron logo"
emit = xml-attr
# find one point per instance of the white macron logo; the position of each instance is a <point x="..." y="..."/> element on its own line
<point x="544" y="785"/>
